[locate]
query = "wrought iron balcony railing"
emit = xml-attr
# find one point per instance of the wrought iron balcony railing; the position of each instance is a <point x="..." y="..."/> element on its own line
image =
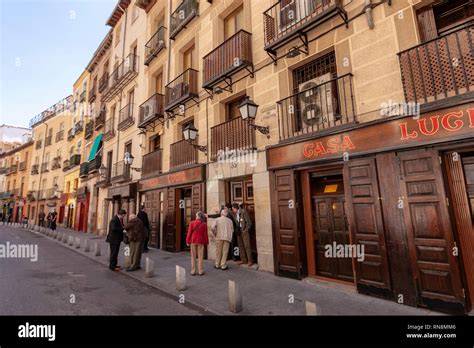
<point x="48" y="140"/>
<point x="233" y="135"/>
<point x="44" y="167"/>
<point x="79" y="126"/>
<point x="109" y="132"/>
<point x="232" y="55"/>
<point x="152" y="111"/>
<point x="126" y="118"/>
<point x="183" y="14"/>
<point x="100" y="119"/>
<point x="121" y="77"/>
<point x="92" y="94"/>
<point x="317" y="109"/>
<point x="35" y="169"/>
<point x="39" y="144"/>
<point x="84" y="170"/>
<point x="181" y="89"/>
<point x="121" y="172"/>
<point x="95" y="164"/>
<point x="182" y="154"/>
<point x="152" y="163"/>
<point x="59" y="135"/>
<point x="155" y="45"/>
<point x="22" y="166"/>
<point x="103" y="82"/>
<point x="89" y="130"/>
<point x="440" y="68"/>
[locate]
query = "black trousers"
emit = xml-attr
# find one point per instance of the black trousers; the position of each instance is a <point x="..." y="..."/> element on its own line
<point x="145" y="243"/>
<point x="114" y="251"/>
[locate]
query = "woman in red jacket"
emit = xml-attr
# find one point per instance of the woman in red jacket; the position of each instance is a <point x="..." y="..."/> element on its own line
<point x="197" y="238"/>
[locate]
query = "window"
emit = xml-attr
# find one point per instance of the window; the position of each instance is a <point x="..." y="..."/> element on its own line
<point x="50" y="132"/>
<point x="159" y="83"/>
<point x="233" y="110"/>
<point x="155" y="143"/>
<point x="61" y="127"/>
<point x="184" y="125"/>
<point x="233" y="22"/>
<point x="68" y="186"/>
<point x="76" y="184"/>
<point x="55" y="180"/>
<point x="188" y="58"/>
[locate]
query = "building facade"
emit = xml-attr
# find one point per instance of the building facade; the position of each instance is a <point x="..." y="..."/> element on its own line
<point x="344" y="128"/>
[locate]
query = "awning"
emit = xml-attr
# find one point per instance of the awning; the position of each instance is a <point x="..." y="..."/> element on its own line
<point x="95" y="147"/>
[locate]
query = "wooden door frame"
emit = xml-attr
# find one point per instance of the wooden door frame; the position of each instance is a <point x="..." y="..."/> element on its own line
<point x="321" y="170"/>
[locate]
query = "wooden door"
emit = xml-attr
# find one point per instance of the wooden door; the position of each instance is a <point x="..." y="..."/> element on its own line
<point x="366" y="225"/>
<point x="169" y="227"/>
<point x="331" y="228"/>
<point x="429" y="231"/>
<point x="152" y="206"/>
<point x="285" y="221"/>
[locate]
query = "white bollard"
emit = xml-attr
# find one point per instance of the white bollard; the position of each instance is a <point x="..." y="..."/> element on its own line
<point x="64" y="237"/>
<point x="71" y="241"/>
<point x="149" y="268"/>
<point x="97" y="249"/>
<point x="86" y="245"/>
<point x="311" y="308"/>
<point x="180" y="278"/>
<point x="78" y="243"/>
<point x="235" y="298"/>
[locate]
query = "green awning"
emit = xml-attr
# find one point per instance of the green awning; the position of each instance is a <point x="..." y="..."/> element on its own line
<point x="95" y="147"/>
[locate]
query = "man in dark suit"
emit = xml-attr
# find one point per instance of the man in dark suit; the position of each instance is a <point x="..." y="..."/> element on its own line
<point x="142" y="215"/>
<point x="244" y="223"/>
<point x="115" y="237"/>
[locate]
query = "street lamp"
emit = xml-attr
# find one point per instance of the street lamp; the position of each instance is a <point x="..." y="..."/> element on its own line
<point x="103" y="171"/>
<point x="248" y="110"/>
<point x="128" y="160"/>
<point x="190" y="134"/>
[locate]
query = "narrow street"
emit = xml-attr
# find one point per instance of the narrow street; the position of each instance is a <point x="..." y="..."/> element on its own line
<point x="60" y="276"/>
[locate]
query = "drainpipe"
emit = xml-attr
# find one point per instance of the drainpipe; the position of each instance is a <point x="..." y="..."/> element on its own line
<point x="368" y="12"/>
<point x="40" y="173"/>
<point x="168" y="72"/>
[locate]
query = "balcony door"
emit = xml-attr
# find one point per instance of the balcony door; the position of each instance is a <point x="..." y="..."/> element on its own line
<point x="188" y="58"/>
<point x="233" y="22"/>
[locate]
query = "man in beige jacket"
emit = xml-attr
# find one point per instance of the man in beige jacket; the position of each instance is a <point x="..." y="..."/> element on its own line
<point x="222" y="228"/>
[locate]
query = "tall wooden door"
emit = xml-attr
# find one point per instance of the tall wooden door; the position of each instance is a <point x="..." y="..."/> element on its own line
<point x="331" y="228"/>
<point x="366" y="225"/>
<point x="429" y="231"/>
<point x="153" y="206"/>
<point x="169" y="227"/>
<point x="285" y="221"/>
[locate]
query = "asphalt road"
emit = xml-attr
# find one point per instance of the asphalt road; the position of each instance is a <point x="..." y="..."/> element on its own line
<point x="63" y="282"/>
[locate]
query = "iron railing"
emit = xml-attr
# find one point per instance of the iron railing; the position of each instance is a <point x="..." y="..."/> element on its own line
<point x="89" y="130"/>
<point x="84" y="170"/>
<point x="152" y="163"/>
<point x="109" y="131"/>
<point x="154" y="46"/>
<point x="183" y="14"/>
<point x="44" y="167"/>
<point x="60" y="135"/>
<point x="121" y="76"/>
<point x="181" y="89"/>
<point x="318" y="108"/>
<point x="233" y="135"/>
<point x="35" y="169"/>
<point x="439" y="68"/>
<point x="121" y="172"/>
<point x="182" y="154"/>
<point x="126" y="117"/>
<point x="103" y="82"/>
<point x="151" y="110"/>
<point x="100" y="119"/>
<point x="48" y="140"/>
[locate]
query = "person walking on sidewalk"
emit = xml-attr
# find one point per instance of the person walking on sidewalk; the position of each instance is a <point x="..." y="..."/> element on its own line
<point x="244" y="224"/>
<point x="54" y="217"/>
<point x="197" y="238"/>
<point x="41" y="217"/>
<point x="115" y="237"/>
<point x="136" y="236"/>
<point x="142" y="215"/>
<point x="222" y="228"/>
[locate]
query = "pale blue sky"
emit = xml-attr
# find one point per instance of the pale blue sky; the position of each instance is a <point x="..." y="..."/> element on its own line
<point x="44" y="46"/>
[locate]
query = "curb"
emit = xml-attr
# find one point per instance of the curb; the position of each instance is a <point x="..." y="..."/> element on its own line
<point x="190" y="303"/>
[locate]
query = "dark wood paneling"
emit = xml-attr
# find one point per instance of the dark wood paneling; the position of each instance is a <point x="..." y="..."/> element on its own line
<point x="286" y="224"/>
<point x="401" y="273"/>
<point x="366" y="224"/>
<point x="457" y="180"/>
<point x="169" y="233"/>
<point x="430" y="236"/>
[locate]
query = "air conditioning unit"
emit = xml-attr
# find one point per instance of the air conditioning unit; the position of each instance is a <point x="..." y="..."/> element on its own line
<point x="316" y="100"/>
<point x="294" y="11"/>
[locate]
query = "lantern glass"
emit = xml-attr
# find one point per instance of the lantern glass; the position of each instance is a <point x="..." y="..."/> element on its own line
<point x="248" y="109"/>
<point x="190" y="133"/>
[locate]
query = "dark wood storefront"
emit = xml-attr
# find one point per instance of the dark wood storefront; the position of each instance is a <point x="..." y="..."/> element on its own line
<point x="402" y="188"/>
<point x="123" y="197"/>
<point x="172" y="201"/>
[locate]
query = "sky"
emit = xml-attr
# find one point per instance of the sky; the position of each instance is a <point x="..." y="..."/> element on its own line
<point x="45" y="45"/>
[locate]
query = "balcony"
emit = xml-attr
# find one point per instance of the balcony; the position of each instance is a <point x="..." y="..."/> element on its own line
<point x="59" y="135"/>
<point x="121" y="77"/>
<point x="440" y="68"/>
<point x="181" y="89"/>
<point x="44" y="167"/>
<point x="154" y="46"/>
<point x="42" y="195"/>
<point x="121" y="172"/>
<point x="232" y="55"/>
<point x="74" y="160"/>
<point x="318" y="109"/>
<point x="100" y="119"/>
<point x="289" y="19"/>
<point x="183" y="14"/>
<point x="16" y="192"/>
<point x="39" y="143"/>
<point x="103" y="82"/>
<point x="182" y="155"/>
<point x="66" y="165"/>
<point x="3" y="170"/>
<point x="22" y="166"/>
<point x="31" y="196"/>
<point x="71" y="134"/>
<point x="143" y="4"/>
<point x="152" y="111"/>
<point x="48" y="140"/>
<point x="79" y="127"/>
<point x="4" y="195"/>
<point x="89" y="130"/>
<point x="51" y="193"/>
<point x="152" y="163"/>
<point x="82" y="97"/>
<point x="12" y="170"/>
<point x="95" y="164"/>
<point x="109" y="131"/>
<point x="35" y="169"/>
<point x="56" y="163"/>
<point x="126" y="119"/>
<point x="84" y="170"/>
<point x="234" y="135"/>
<point x="92" y="94"/>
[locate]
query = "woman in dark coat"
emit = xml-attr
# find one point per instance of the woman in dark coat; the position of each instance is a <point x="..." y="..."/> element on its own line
<point x="53" y="218"/>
